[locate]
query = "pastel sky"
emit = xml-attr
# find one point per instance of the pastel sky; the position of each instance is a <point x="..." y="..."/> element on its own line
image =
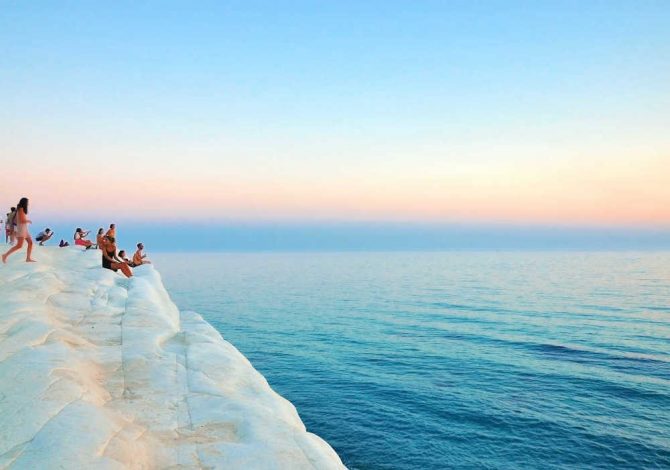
<point x="430" y="111"/>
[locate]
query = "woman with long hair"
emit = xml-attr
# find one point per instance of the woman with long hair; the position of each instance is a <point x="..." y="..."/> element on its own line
<point x="21" y="232"/>
<point x="100" y="239"/>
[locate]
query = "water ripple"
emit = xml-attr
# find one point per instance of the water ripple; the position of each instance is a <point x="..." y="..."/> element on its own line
<point x="454" y="360"/>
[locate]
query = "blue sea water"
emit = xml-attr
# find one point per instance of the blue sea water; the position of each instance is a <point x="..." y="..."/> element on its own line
<point x="463" y="360"/>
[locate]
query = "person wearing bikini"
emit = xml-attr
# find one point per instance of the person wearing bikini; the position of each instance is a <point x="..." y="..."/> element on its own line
<point x="21" y="232"/>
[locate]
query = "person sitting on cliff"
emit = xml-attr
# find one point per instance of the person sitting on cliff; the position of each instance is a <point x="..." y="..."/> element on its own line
<point x="80" y="238"/>
<point x="139" y="258"/>
<point x="100" y="238"/>
<point x="44" y="236"/>
<point x="124" y="258"/>
<point x="110" y="260"/>
<point x="112" y="231"/>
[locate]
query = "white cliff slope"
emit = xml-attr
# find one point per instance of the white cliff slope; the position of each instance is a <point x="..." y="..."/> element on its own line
<point x="97" y="371"/>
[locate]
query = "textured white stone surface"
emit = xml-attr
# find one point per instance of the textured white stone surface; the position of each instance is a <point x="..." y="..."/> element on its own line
<point x="98" y="371"/>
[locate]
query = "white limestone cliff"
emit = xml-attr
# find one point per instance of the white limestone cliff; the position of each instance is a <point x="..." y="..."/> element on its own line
<point x="99" y="371"/>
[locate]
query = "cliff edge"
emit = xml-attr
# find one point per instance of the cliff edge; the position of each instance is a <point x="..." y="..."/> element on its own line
<point x="99" y="371"/>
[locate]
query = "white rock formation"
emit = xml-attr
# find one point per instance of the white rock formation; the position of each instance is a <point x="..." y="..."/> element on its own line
<point x="97" y="371"/>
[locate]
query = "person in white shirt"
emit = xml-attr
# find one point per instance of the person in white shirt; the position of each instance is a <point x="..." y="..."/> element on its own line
<point x="44" y="236"/>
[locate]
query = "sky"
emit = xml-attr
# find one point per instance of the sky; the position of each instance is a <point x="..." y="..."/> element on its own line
<point x="314" y="114"/>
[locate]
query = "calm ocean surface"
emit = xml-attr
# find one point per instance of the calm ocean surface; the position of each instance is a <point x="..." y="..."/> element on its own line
<point x="438" y="360"/>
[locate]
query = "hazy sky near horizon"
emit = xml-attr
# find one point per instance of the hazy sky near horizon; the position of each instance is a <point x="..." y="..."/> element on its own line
<point x="522" y="112"/>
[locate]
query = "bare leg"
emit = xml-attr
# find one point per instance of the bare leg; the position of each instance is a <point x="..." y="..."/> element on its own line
<point x="16" y="247"/>
<point x="29" y="239"/>
<point x="125" y="269"/>
<point x="47" y="239"/>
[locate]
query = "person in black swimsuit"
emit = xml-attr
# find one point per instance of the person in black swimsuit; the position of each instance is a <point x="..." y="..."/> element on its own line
<point x="111" y="261"/>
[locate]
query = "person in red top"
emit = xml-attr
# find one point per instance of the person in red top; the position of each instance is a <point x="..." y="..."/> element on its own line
<point x="21" y="232"/>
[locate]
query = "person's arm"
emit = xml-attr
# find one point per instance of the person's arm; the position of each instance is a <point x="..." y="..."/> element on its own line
<point x="116" y="255"/>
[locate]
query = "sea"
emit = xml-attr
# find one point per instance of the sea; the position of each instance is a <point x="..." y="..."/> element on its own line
<point x="422" y="360"/>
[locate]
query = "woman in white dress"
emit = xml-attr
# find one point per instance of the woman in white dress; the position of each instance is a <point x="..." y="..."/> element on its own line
<point x="21" y="232"/>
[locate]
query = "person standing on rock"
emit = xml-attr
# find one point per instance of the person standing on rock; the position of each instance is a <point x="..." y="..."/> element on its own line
<point x="9" y="226"/>
<point x="21" y="233"/>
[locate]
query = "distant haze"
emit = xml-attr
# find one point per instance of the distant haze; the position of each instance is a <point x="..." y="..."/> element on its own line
<point x="235" y="236"/>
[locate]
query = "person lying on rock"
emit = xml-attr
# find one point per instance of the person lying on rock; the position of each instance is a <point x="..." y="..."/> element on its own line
<point x="110" y="260"/>
<point x="44" y="236"/>
<point x="139" y="258"/>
